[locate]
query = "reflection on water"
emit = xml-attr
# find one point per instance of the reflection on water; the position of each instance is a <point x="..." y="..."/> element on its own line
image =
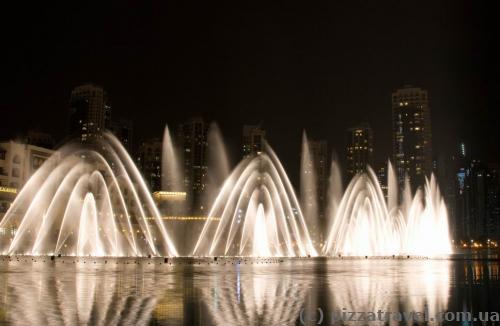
<point x="48" y="293"/>
<point x="373" y="285"/>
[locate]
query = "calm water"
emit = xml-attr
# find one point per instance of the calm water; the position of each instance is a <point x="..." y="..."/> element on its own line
<point x="286" y="293"/>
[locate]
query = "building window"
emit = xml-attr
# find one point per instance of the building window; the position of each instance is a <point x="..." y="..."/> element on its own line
<point x="15" y="172"/>
<point x="2" y="154"/>
<point x="37" y="162"/>
<point x="4" y="207"/>
<point x="16" y="159"/>
<point x="2" y="172"/>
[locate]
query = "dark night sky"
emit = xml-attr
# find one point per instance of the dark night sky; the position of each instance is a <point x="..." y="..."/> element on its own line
<point x="322" y="66"/>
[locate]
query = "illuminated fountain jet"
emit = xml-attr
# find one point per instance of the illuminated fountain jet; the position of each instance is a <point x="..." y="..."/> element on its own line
<point x="259" y="214"/>
<point x="86" y="201"/>
<point x="365" y="225"/>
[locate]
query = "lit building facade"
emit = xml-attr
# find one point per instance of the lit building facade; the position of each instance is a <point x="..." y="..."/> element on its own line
<point x="90" y="112"/>
<point x="194" y="145"/>
<point x="412" y="137"/>
<point x="359" y="151"/>
<point x="18" y="162"/>
<point x="254" y="138"/>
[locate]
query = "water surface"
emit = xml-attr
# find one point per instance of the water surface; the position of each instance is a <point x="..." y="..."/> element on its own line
<point x="291" y="292"/>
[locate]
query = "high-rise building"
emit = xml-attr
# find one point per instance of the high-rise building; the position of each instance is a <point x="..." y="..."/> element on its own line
<point x="313" y="186"/>
<point x="123" y="130"/>
<point x="359" y="149"/>
<point x="254" y="138"/>
<point x="319" y="154"/>
<point x="493" y="205"/>
<point x="149" y="162"/>
<point x="381" y="171"/>
<point x="412" y="138"/>
<point x="476" y="217"/>
<point x="194" y="145"/>
<point x="445" y="171"/>
<point x="90" y="112"/>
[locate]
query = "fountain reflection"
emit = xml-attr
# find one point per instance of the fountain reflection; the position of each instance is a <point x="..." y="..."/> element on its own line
<point x="142" y="291"/>
<point x="76" y="298"/>
<point x="393" y="286"/>
<point x="254" y="295"/>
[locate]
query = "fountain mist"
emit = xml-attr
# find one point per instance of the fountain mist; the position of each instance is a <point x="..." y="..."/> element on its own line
<point x="218" y="164"/>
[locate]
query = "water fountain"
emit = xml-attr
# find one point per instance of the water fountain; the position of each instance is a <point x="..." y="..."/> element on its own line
<point x="365" y="224"/>
<point x="259" y="214"/>
<point x="92" y="200"/>
<point x="86" y="201"/>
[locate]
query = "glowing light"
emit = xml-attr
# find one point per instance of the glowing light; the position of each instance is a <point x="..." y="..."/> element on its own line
<point x="8" y="190"/>
<point x="184" y="218"/>
<point x="169" y="195"/>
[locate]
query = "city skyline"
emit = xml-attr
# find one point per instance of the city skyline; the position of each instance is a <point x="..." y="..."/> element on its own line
<point x="90" y="113"/>
<point x="236" y="76"/>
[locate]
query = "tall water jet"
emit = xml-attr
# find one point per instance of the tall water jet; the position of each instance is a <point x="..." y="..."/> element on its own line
<point x="308" y="188"/>
<point x="256" y="213"/>
<point x="392" y="187"/>
<point x="171" y="168"/>
<point x="334" y="192"/>
<point x="363" y="225"/>
<point x="218" y="164"/>
<point x="84" y="201"/>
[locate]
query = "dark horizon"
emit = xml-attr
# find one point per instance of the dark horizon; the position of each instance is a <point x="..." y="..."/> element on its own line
<point x="288" y="67"/>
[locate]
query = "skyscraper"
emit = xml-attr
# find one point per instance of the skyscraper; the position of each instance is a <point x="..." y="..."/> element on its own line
<point x="412" y="138"/>
<point x="194" y="143"/>
<point x="319" y="154"/>
<point x="359" y="149"/>
<point x="90" y="112"/>
<point x="254" y="138"/>
<point x="313" y="191"/>
<point x="149" y="162"/>
<point x="381" y="171"/>
<point x="123" y="130"/>
<point x="477" y="214"/>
